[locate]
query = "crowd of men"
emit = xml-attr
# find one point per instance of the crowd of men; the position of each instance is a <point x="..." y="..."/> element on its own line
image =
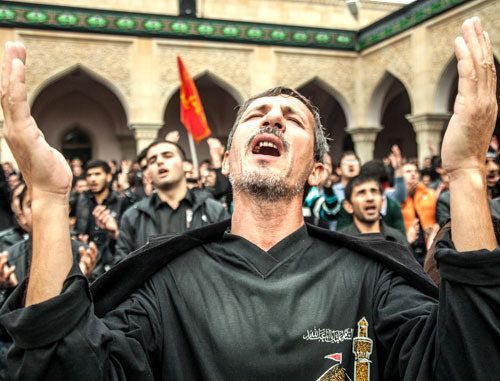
<point x="118" y="213"/>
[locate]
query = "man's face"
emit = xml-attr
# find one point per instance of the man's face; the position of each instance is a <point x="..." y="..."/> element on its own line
<point x="411" y="176"/>
<point x="165" y="165"/>
<point x="81" y="186"/>
<point x="349" y="166"/>
<point x="13" y="181"/>
<point x="97" y="179"/>
<point x="272" y="153"/>
<point x="492" y="175"/>
<point x="210" y="179"/>
<point x="366" y="202"/>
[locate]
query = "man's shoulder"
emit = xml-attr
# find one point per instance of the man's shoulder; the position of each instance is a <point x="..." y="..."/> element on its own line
<point x="144" y="262"/>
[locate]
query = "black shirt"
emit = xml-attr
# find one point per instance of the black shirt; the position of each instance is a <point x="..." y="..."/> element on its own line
<point x="174" y="220"/>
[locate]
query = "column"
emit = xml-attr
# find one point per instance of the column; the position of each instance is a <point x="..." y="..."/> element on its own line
<point x="364" y="141"/>
<point x="429" y="131"/>
<point x="145" y="134"/>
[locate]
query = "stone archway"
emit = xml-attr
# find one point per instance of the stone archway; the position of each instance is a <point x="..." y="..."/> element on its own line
<point x="393" y="105"/>
<point x="78" y="99"/>
<point x="333" y="115"/>
<point x="219" y="102"/>
<point x="447" y="91"/>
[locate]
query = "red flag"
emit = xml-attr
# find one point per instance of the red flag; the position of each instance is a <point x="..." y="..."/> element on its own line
<point x="192" y="114"/>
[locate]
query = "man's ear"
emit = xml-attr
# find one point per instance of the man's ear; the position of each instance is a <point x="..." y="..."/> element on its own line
<point x="347" y="206"/>
<point x="225" y="164"/>
<point x="316" y="175"/>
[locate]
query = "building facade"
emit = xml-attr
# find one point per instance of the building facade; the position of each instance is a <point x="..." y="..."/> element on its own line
<point x="103" y="82"/>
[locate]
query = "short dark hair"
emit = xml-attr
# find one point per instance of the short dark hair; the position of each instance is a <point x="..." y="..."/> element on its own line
<point x="161" y="141"/>
<point x="97" y="164"/>
<point x="359" y="180"/>
<point x="320" y="139"/>
<point x="377" y="169"/>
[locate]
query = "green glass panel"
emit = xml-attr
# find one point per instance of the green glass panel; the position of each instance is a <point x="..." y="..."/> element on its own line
<point x="300" y="36"/>
<point x="36" y="16"/>
<point x="206" y="29"/>
<point x="67" y="19"/>
<point x="97" y="21"/>
<point x="344" y="39"/>
<point x="230" y="30"/>
<point x="7" y="14"/>
<point x="278" y="34"/>
<point x="388" y="31"/>
<point x="255" y="32"/>
<point x="404" y="23"/>
<point x="180" y="27"/>
<point x="419" y="15"/>
<point x="436" y="7"/>
<point x="153" y="25"/>
<point x="125" y="23"/>
<point x="322" y="37"/>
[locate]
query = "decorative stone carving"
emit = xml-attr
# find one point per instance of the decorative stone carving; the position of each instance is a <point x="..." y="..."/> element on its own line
<point x="296" y="68"/>
<point x="231" y="65"/>
<point x="50" y="55"/>
<point x="364" y="141"/>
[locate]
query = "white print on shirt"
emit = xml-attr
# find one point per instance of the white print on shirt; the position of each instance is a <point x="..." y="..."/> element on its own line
<point x="362" y="347"/>
<point x="326" y="335"/>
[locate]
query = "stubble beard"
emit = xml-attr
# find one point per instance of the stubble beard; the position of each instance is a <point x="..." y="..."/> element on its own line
<point x="267" y="185"/>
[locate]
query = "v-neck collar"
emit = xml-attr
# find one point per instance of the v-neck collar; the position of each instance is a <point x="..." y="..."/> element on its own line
<point x="261" y="261"/>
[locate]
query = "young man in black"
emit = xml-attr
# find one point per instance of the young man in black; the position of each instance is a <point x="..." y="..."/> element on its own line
<point x="363" y="200"/>
<point x="265" y="298"/>
<point x="97" y="212"/>
<point x="173" y="208"/>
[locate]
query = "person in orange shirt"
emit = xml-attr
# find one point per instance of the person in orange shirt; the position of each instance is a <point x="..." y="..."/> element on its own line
<point x="419" y="211"/>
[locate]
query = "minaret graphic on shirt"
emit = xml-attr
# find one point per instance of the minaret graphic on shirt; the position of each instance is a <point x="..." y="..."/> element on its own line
<point x="362" y="349"/>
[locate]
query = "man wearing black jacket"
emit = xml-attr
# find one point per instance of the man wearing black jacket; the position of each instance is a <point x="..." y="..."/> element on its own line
<point x="266" y="298"/>
<point x="173" y="208"/>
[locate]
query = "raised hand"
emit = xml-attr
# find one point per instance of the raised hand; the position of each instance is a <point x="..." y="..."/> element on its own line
<point x="44" y="169"/>
<point x="396" y="161"/>
<point x="216" y="150"/>
<point x="469" y="132"/>
<point x="467" y="138"/>
<point x="105" y="220"/>
<point x="173" y="136"/>
<point x="88" y="259"/>
<point x="8" y="278"/>
<point x="48" y="177"/>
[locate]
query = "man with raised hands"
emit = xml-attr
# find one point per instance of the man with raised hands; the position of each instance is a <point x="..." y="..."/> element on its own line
<point x="265" y="297"/>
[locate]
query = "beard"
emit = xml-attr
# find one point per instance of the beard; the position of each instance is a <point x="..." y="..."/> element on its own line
<point x="267" y="185"/>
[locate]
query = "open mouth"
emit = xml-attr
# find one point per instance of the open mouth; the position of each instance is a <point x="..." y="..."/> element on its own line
<point x="162" y="171"/>
<point x="267" y="145"/>
<point x="371" y="209"/>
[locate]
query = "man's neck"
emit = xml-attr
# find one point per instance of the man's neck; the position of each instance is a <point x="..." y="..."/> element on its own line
<point x="173" y="196"/>
<point x="344" y="180"/>
<point x="101" y="196"/>
<point x="368" y="227"/>
<point x="265" y="223"/>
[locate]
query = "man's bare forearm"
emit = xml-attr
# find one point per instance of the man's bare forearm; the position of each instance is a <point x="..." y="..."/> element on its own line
<point x="471" y="224"/>
<point x="52" y="258"/>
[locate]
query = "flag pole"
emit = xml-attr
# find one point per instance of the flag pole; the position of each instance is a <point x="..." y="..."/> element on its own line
<point x="192" y="149"/>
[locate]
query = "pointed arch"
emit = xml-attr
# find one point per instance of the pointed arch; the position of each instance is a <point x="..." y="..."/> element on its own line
<point x="325" y="86"/>
<point x="389" y="105"/>
<point x="388" y="87"/>
<point x="76" y="97"/>
<point x="334" y="111"/>
<point x="80" y="68"/>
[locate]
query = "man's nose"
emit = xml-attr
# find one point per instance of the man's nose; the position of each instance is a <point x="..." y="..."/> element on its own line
<point x="275" y="119"/>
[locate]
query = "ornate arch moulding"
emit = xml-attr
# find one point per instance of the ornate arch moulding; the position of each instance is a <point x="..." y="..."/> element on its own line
<point x="91" y="73"/>
<point x="27" y="15"/>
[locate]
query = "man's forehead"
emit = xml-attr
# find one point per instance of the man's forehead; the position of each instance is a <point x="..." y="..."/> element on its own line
<point x="288" y="102"/>
<point x="367" y="185"/>
<point x="161" y="148"/>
